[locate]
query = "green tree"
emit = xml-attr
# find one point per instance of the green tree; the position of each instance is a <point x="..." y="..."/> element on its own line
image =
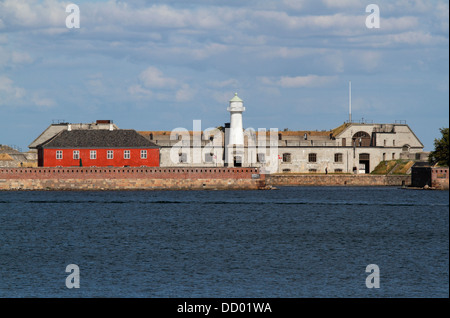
<point x="440" y="155"/>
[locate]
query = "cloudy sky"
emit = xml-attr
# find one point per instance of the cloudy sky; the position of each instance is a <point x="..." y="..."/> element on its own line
<point x="159" y="65"/>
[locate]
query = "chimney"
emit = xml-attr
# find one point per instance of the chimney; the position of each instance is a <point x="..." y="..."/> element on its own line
<point x="111" y="128"/>
<point x="69" y="127"/>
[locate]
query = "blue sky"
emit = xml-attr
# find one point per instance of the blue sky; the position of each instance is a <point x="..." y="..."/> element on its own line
<point x="159" y="65"/>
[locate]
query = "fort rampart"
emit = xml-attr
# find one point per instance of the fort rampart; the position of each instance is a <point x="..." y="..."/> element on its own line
<point x="338" y="180"/>
<point x="145" y="178"/>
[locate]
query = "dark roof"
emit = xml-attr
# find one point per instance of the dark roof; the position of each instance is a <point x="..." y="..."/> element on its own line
<point x="421" y="164"/>
<point x="100" y="138"/>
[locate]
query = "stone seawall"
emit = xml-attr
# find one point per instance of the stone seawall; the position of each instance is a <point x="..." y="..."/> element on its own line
<point x="338" y="180"/>
<point x="145" y="178"/>
<point x="131" y="179"/>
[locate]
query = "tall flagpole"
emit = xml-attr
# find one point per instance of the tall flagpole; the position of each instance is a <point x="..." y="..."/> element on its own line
<point x="350" y="102"/>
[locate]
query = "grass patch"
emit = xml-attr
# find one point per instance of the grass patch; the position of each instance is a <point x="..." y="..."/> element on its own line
<point x="396" y="167"/>
<point x="403" y="167"/>
<point x="384" y="167"/>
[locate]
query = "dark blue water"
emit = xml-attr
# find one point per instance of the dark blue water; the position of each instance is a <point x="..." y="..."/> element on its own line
<point x="294" y="242"/>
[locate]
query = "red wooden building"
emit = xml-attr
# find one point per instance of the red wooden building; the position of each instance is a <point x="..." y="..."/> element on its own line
<point x="98" y="148"/>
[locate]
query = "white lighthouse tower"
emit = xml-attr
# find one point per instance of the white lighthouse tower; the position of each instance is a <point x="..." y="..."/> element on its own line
<point x="235" y="142"/>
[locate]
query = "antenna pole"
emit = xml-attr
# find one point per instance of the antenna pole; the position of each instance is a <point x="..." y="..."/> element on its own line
<point x="350" y="102"/>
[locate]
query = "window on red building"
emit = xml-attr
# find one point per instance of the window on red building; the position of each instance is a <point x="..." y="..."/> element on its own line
<point x="59" y="154"/>
<point x="76" y="154"/>
<point x="126" y="154"/>
<point x="110" y="154"/>
<point x="93" y="154"/>
<point x="143" y="154"/>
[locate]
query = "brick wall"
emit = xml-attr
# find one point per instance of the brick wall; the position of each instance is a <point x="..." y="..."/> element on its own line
<point x="130" y="178"/>
<point x="440" y="178"/>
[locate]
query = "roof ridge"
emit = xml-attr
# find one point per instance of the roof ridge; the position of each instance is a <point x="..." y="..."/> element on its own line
<point x="118" y="138"/>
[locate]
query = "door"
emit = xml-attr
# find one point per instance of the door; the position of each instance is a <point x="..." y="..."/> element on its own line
<point x="364" y="162"/>
<point x="238" y="161"/>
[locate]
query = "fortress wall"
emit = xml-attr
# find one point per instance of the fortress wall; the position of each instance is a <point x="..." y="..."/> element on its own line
<point x="127" y="173"/>
<point x="130" y="184"/>
<point x="130" y="179"/>
<point x="176" y="179"/>
<point x="338" y="180"/>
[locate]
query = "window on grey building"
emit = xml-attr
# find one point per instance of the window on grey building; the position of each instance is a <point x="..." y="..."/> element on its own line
<point x="209" y="157"/>
<point x="338" y="170"/>
<point x="338" y="157"/>
<point x="182" y="157"/>
<point x="418" y="156"/>
<point x="261" y="157"/>
<point x="312" y="157"/>
<point x="286" y="157"/>
<point x="393" y="156"/>
<point x="312" y="170"/>
<point x="286" y="170"/>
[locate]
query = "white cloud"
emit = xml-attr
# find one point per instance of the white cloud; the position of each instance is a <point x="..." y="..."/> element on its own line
<point x="9" y="93"/>
<point x="13" y="58"/>
<point x="43" y="102"/>
<point x="342" y="3"/>
<point x="298" y="81"/>
<point x="139" y="92"/>
<point x="12" y="96"/>
<point x="33" y="13"/>
<point x="152" y="77"/>
<point x="226" y="83"/>
<point x="21" y="58"/>
<point x="185" y="93"/>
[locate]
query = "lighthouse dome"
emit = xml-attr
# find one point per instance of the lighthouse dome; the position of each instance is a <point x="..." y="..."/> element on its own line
<point x="236" y="98"/>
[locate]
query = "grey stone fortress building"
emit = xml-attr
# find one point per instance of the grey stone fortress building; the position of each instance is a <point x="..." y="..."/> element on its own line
<point x="350" y="148"/>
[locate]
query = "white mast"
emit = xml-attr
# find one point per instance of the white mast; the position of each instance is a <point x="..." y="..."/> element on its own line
<point x="350" y="102"/>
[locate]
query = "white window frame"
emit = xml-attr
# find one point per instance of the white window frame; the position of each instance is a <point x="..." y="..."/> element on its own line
<point x="144" y="154"/>
<point x="126" y="154"/>
<point x="93" y="154"/>
<point x="59" y="154"/>
<point x="76" y="154"/>
<point x="110" y="154"/>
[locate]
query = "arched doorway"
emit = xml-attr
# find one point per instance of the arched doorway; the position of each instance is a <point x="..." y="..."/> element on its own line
<point x="361" y="139"/>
